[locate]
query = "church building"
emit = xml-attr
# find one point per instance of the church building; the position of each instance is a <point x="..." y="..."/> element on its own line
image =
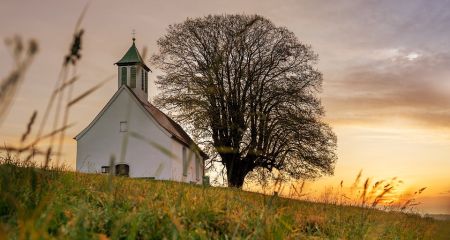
<point x="143" y="141"/>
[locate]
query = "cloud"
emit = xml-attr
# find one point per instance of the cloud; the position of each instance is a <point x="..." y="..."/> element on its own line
<point x="395" y="84"/>
<point x="444" y="192"/>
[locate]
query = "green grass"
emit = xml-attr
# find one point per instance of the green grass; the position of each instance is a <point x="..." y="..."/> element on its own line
<point x="46" y="204"/>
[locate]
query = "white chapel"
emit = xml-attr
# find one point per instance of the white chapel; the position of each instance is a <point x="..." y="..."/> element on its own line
<point x="143" y="141"/>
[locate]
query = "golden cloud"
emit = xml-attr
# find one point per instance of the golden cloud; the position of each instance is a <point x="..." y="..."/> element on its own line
<point x="417" y="90"/>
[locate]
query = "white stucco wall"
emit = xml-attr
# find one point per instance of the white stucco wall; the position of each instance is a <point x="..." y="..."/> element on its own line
<point x="177" y="164"/>
<point x="104" y="139"/>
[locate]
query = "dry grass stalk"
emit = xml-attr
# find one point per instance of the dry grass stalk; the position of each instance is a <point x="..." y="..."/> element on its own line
<point x="364" y="193"/>
<point x="380" y="197"/>
<point x="22" y="59"/>
<point x="70" y="82"/>
<point x="64" y="85"/>
<point x="49" y="135"/>
<point x="29" y="126"/>
<point x="87" y="92"/>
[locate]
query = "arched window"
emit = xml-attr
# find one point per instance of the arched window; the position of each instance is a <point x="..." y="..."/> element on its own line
<point x="123" y="77"/>
<point x="133" y="77"/>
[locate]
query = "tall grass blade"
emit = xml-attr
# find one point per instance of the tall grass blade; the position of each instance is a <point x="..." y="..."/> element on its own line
<point x="153" y="144"/>
<point x="29" y="126"/>
<point x="51" y="134"/>
<point x="66" y="84"/>
<point x="10" y="85"/>
<point x="88" y="92"/>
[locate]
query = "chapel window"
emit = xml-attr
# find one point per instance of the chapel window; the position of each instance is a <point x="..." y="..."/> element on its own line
<point x="123" y="77"/>
<point x="146" y="82"/>
<point x="197" y="167"/>
<point x="105" y="169"/>
<point x="133" y="77"/>
<point x="185" y="162"/>
<point x="142" y="79"/>
<point x="124" y="126"/>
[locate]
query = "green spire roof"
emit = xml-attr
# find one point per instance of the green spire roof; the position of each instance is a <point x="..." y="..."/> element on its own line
<point x="132" y="57"/>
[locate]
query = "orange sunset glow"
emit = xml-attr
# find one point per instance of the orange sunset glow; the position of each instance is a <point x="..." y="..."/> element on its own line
<point x="385" y="65"/>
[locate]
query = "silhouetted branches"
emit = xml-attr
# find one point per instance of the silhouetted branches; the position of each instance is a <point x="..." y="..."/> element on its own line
<point x="250" y="89"/>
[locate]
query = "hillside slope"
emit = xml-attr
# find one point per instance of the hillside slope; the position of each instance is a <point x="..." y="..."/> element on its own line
<point x="48" y="204"/>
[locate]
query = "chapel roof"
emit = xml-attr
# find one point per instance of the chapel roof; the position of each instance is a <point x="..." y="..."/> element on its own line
<point x="170" y="125"/>
<point x="131" y="57"/>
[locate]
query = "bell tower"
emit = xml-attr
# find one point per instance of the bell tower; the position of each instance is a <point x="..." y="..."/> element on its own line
<point x="133" y="72"/>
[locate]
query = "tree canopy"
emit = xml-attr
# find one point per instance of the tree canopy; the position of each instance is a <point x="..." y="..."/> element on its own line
<point x="248" y="89"/>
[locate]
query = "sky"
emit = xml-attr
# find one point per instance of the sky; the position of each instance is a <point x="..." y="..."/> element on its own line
<point x="385" y="65"/>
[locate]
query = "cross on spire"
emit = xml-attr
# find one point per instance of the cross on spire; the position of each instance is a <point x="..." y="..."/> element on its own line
<point x="133" y="32"/>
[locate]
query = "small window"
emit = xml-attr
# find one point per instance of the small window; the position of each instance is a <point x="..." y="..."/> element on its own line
<point x="197" y="167"/>
<point x="146" y="82"/>
<point x="123" y="126"/>
<point x="124" y="76"/>
<point x="142" y="80"/>
<point x="123" y="169"/>
<point x="105" y="169"/>
<point x="185" y="162"/>
<point x="133" y="77"/>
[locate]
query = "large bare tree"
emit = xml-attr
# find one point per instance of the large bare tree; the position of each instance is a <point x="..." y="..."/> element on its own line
<point x="250" y="89"/>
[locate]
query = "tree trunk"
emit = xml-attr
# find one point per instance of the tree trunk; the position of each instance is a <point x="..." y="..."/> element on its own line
<point x="236" y="172"/>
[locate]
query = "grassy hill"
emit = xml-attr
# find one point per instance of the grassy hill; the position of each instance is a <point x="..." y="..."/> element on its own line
<point x="46" y="204"/>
